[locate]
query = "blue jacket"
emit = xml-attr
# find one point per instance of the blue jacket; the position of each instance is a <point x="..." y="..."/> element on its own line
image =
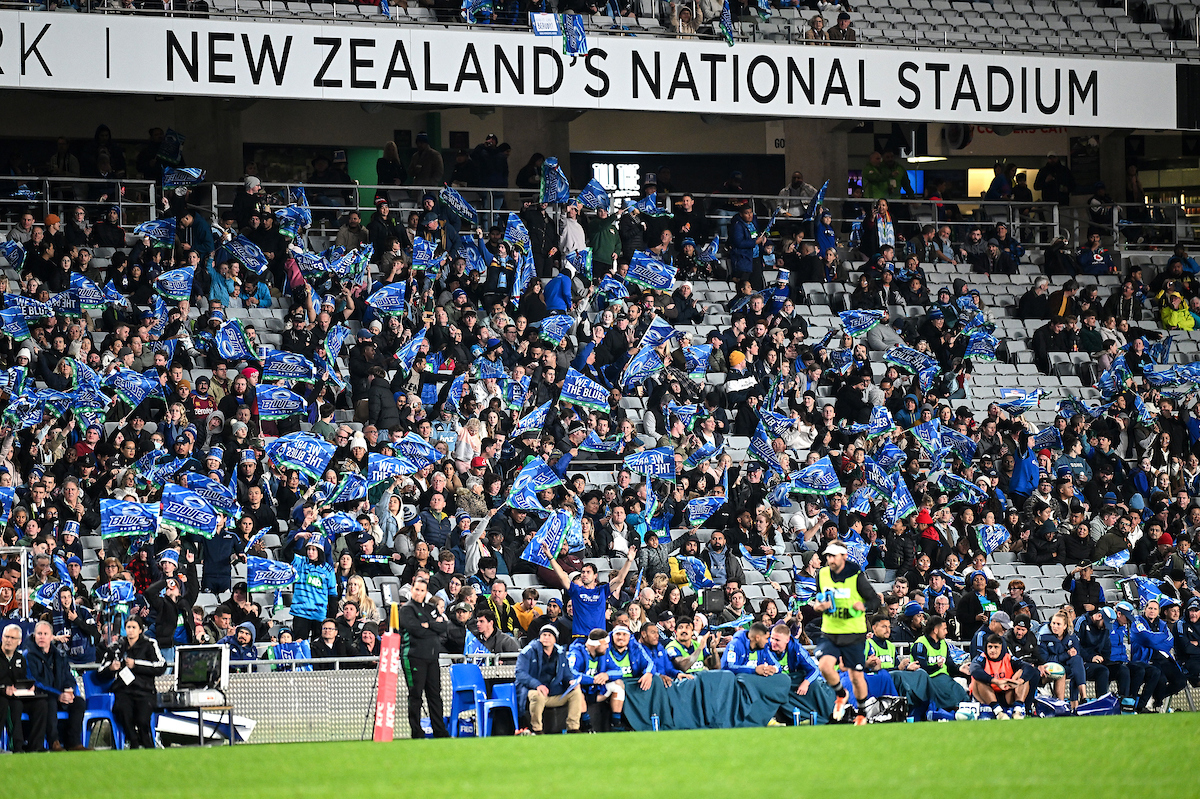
<point x="313" y="589"/>
<point x="584" y="667"/>
<point x="741" y="659"/>
<point x="742" y="245"/>
<point x="826" y="238"/>
<point x="1025" y="474"/>
<point x="639" y="662"/>
<point x="434" y="531"/>
<point x="529" y="666"/>
<point x="796" y="662"/>
<point x="236" y="650"/>
<point x="1187" y="639"/>
<point x="1056" y="651"/>
<point x="1093" y="641"/>
<point x="558" y="293"/>
<point x="1118" y="639"/>
<point x="660" y="660"/>
<point x="50" y="671"/>
<point x="1148" y="638"/>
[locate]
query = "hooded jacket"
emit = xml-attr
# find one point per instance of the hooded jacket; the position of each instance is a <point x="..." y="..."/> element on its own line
<point x="314" y="595"/>
<point x="236" y="650"/>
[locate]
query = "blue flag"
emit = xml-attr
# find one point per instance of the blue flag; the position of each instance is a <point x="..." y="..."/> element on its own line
<point x="132" y="519"/>
<point x="594" y="196"/>
<point x="763" y="564"/>
<point x="776" y="424"/>
<point x="695" y="360"/>
<point x="221" y="497"/>
<point x="188" y="512"/>
<point x="761" y="450"/>
<point x="469" y="249"/>
<point x="991" y="536"/>
<point x="699" y="510"/>
<point x="90" y="295"/>
<point x="555" y="328"/>
<point x="1015" y="401"/>
<point x="276" y="402"/>
<point x="549" y="538"/>
<point x="1147" y="590"/>
<point x="338" y="524"/>
<point x="33" y="309"/>
<point x="593" y="443"/>
<point x="7" y="495"/>
<point x="182" y="176"/>
<point x="14" y="253"/>
<point x="160" y="231"/>
<point x="424" y="256"/>
<point x="581" y="260"/>
<point x="456" y="203"/>
<point x="555" y="188"/>
<point x="648" y="205"/>
<point x="14" y="324"/>
<point x="524" y="497"/>
<point x="525" y="275"/>
<point x="132" y="387"/>
<point x="981" y="347"/>
<point x="516" y="233"/>
<point x="534" y="420"/>
<point x="1114" y="561"/>
<point x="685" y="413"/>
<point x="648" y="272"/>
<point x="538" y="474"/>
<point x="584" y="392"/>
<point x="574" y="35"/>
<point x="472" y="646"/>
<point x="705" y="452"/>
<point x="1048" y="438"/>
<point x="416" y="447"/>
<point x="819" y="478"/>
<point x="711" y="252"/>
<point x="266" y="575"/>
<point x="246" y="253"/>
<point x="910" y="360"/>
<point x="612" y="288"/>
<point x="725" y="23"/>
<point x="304" y="452"/>
<point x="280" y="365"/>
<point x="408" y="353"/>
<point x="959" y="444"/>
<point x="232" y="342"/>
<point x="381" y="468"/>
<point x="389" y="299"/>
<point x="654" y="463"/>
<point x="458" y="387"/>
<point x="658" y="331"/>
<point x="929" y="436"/>
<point x="859" y="323"/>
<point x="641" y="367"/>
<point x="900" y="503"/>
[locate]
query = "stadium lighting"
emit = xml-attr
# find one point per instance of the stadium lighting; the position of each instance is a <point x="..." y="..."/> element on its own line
<point x="925" y="159"/>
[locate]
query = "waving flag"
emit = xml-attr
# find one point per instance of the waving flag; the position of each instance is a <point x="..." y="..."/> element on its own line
<point x="90" y="295"/>
<point x="279" y="365"/>
<point x="710" y="252"/>
<point x="760" y="449"/>
<point x="699" y="510"/>
<point x="232" y="342"/>
<point x="160" y="231"/>
<point x="458" y="387"/>
<point x="334" y="340"/>
<point x="641" y="367"/>
<point x="819" y="478"/>
<point x="880" y="423"/>
<point x="175" y="285"/>
<point x="1048" y="438"/>
<point x="350" y="265"/>
<point x="304" y="452"/>
<point x="584" y="392"/>
<point x="416" y="447"/>
<point x="653" y="463"/>
<point x="132" y="519"/>
<point x="555" y="188"/>
<point x="890" y="456"/>
<point x="425" y="257"/>
<point x="725" y="24"/>
<point x="408" y="353"/>
<point x="182" y="176"/>
<point x="966" y="490"/>
<point x="856" y="549"/>
<point x="244" y="252"/>
<point x="593" y="443"/>
<point x="1015" y="401"/>
<point x="469" y="250"/>
<point x="929" y="436"/>
<point x="705" y="452"/>
<point x="389" y="299"/>
<point x="382" y="468"/>
<point x="276" y="402"/>
<point x="266" y="575"/>
<point x="66" y="303"/>
<point x="900" y="503"/>
<point x="685" y="413"/>
<point x="650" y="273"/>
<point x="221" y="497"/>
<point x="525" y="275"/>
<point x="516" y="233"/>
<point x="1114" y="561"/>
<point x="910" y="360"/>
<point x="555" y="328"/>
<point x="981" y="347"/>
<point x="7" y="495"/>
<point x="1160" y="351"/>
<point x="188" y="512"/>
<point x="14" y="253"/>
<point x="581" y="260"/>
<point x="534" y="420"/>
<point x="696" y="572"/>
<point x="14" y="324"/>
<point x="33" y="309"/>
<point x="484" y="368"/>
<point x="461" y="208"/>
<point x="338" y="524"/>
<point x="658" y="331"/>
<point x="574" y="35"/>
<point x="594" y="196"/>
<point x="1147" y="590"/>
<point x="859" y="323"/>
<point x="695" y="360"/>
<point x="523" y="496"/>
<point x="612" y="288"/>
<point x="549" y="537"/>
<point x="763" y="564"/>
<point x="133" y="387"/>
<point x="776" y="424"/>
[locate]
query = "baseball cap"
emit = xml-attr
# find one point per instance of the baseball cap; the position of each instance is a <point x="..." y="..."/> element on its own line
<point x="478" y="462"/>
<point x="836" y="549"/>
<point x="1001" y="618"/>
<point x="549" y="628"/>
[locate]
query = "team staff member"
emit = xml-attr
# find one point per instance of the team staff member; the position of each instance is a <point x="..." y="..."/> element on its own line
<point x="12" y="672"/>
<point x="544" y="678"/>
<point x="932" y="654"/>
<point x="809" y="694"/>
<point x="844" y="597"/>
<point x="590" y="599"/>
<point x="135" y="662"/>
<point x="51" y="674"/>
<point x="996" y="679"/>
<point x="421" y="629"/>
<point x="686" y="650"/>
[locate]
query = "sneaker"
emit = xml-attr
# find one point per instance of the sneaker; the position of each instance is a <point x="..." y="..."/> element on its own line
<point x="1018" y="712"/>
<point x="840" y="703"/>
<point x="860" y="720"/>
<point x="774" y="723"/>
<point x="1002" y="716"/>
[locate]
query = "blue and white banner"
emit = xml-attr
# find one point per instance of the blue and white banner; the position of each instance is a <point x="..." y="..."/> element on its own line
<point x="454" y="395"/>
<point x="469" y="250"/>
<point x="962" y="489"/>
<point x="418" y="449"/>
<point x="160" y="231"/>
<point x="859" y="323"/>
<point x="760" y="449"/>
<point x="593" y="443"/>
<point x="548" y="538"/>
<point x="280" y="365"/>
<point x="705" y="452"/>
<point x="900" y="504"/>
<point x="890" y="456"/>
<point x="537" y="474"/>
<point x="14" y="253"/>
<point x="648" y="272"/>
<point x="910" y="360"/>
<point x="7" y="495"/>
<point x="338" y="524"/>
<point x="584" y="392"/>
<point x="612" y="288"/>
<point x="685" y="413"/>
<point x="304" y="452"/>
<point x="516" y="233"/>
<point x="133" y="387"/>
<point x="981" y="347"/>
<point x="266" y="575"/>
<point x="276" y="402"/>
<point x="177" y="284"/>
<point x="581" y="260"/>
<point x="486" y="368"/>
<point x="425" y="257"/>
<point x="929" y="436"/>
<point x="66" y="303"/>
<point x="534" y="420"/>
<point x="594" y="196"/>
<point x="653" y="463"/>
<point x="525" y="275"/>
<point x="456" y="203"/>
<point x="710" y="252"/>
<point x="641" y="367"/>
<point x="132" y="519"/>
<point x="695" y="360"/>
<point x="763" y="564"/>
<point x="696" y="572"/>
<point x="189" y="512"/>
<point x="1147" y="590"/>
<point x="856" y="549"/>
<point x="388" y="299"/>
<point x="1160" y="351"/>
<point x="1114" y="561"/>
<point x="1015" y="401"/>
<point x="244" y="252"/>
<point x="220" y="496"/>
<point x="1048" y="438"/>
<point x="959" y="444"/>
<point x="819" y="478"/>
<point x="232" y="342"/>
<point x="182" y="176"/>
<point x="90" y="295"/>
<point x="555" y="188"/>
<point x="991" y="536"/>
<point x="351" y="265"/>
<point x="648" y="205"/>
<point x="14" y="324"/>
<point x="657" y="332"/>
<point x="351" y="488"/>
<point x="33" y="309"/>
<point x="776" y="424"/>
<point x="574" y="35"/>
<point x="382" y="468"/>
<point x="523" y="496"/>
<point x="555" y="328"/>
<point x="408" y="353"/>
<point x="699" y="510"/>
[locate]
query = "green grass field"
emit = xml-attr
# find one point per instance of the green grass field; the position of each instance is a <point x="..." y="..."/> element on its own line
<point x="1118" y="756"/>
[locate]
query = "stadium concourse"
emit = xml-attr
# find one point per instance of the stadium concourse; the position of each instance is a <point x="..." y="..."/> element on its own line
<point x="657" y="448"/>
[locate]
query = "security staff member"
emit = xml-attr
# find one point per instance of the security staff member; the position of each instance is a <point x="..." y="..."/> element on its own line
<point x="421" y="628"/>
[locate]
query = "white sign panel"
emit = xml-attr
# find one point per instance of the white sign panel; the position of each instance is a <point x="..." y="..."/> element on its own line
<point x="396" y="63"/>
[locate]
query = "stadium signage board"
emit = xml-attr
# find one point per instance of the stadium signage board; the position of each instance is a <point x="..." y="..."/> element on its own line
<point x="397" y="63"/>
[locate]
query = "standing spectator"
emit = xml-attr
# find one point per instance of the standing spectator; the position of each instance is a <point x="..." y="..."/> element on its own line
<point x="421" y="628"/>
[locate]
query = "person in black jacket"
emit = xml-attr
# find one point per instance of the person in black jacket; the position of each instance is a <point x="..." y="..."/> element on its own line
<point x="850" y="404"/>
<point x="1086" y="593"/>
<point x="331" y="645"/>
<point x="421" y="629"/>
<point x="56" y="687"/>
<point x="135" y="661"/>
<point x="13" y="672"/>
<point x="169" y="602"/>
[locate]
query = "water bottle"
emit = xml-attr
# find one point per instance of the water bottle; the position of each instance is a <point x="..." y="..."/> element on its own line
<point x="812" y="718"/>
<point x="796" y="717"/>
<point x="654" y="722"/>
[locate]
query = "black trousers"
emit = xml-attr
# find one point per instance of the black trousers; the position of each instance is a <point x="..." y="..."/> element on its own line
<point x="133" y="712"/>
<point x="68" y="732"/>
<point x="304" y="629"/>
<point x="424" y="678"/>
<point x="20" y="733"/>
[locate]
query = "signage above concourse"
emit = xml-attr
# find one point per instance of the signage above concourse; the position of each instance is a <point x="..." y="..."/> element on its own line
<point x="406" y="63"/>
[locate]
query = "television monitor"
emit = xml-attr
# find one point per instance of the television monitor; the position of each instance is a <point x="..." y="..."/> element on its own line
<point x="201" y="667"/>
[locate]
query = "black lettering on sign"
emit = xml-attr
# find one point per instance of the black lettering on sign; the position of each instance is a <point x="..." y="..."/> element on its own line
<point x="475" y="73"/>
<point x="835" y="72"/>
<point x="1037" y="90"/>
<point x="993" y="105"/>
<point x="863" y="101"/>
<point x="215" y="57"/>
<point x="712" y="59"/>
<point x="807" y="87"/>
<point x="737" y="83"/>
<point x="518" y="76"/>
<point x="1024" y="90"/>
<point x="538" y="86"/>
<point x="965" y="79"/>
<point x="595" y="71"/>
<point x="1083" y="92"/>
<point x="334" y="45"/>
<point x="937" y="70"/>
<point x="430" y="86"/>
<point x="265" y="51"/>
<point x="32" y="50"/>
<point x="364" y="63"/>
<point x="654" y="83"/>
<point x="762" y="97"/>
<point x="2" y="45"/>
<point x="399" y="56"/>
<point x="682" y="66"/>
<point x="192" y="65"/>
<point x="909" y="84"/>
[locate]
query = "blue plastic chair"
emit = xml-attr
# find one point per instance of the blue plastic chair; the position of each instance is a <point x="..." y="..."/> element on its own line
<point x="465" y="680"/>
<point x="504" y="698"/>
<point x="100" y="703"/>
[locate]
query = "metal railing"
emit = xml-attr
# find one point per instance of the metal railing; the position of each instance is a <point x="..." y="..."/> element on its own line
<point x="137" y="199"/>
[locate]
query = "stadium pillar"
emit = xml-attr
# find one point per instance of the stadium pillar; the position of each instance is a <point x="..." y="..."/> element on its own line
<point x="542" y="130"/>
<point x="213" y="127"/>
<point x="818" y="148"/>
